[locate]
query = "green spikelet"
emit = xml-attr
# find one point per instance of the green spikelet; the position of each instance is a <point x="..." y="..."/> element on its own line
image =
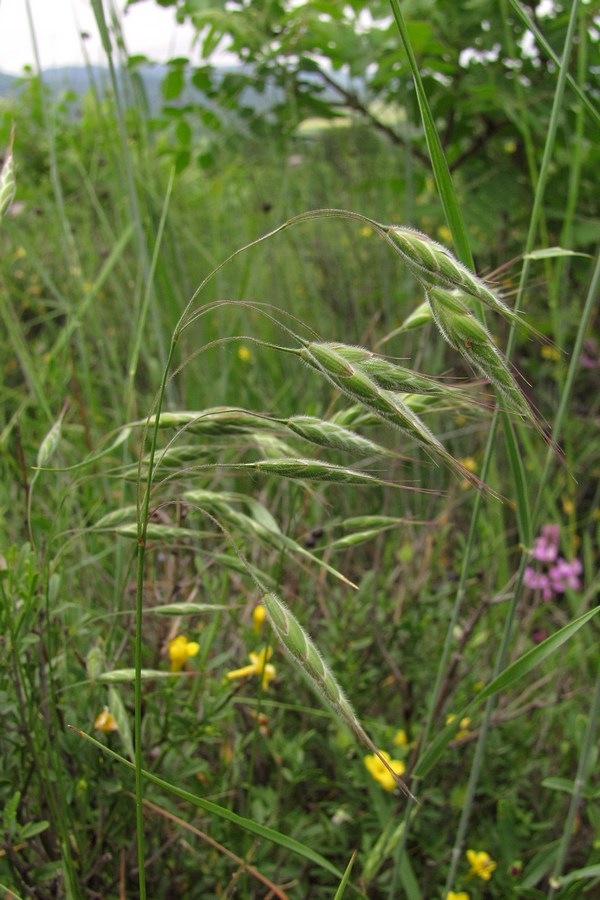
<point x="387" y="405"/>
<point x="214" y="421"/>
<point x="471" y="339"/>
<point x="354" y="382"/>
<point x="438" y="265"/>
<point x="8" y="184"/>
<point x="435" y="266"/>
<point x="354" y="415"/>
<point x="418" y="317"/>
<point x="326" y="358"/>
<point x="330" y="434"/>
<point x="305" y="654"/>
<point x="50" y="444"/>
<point x="312" y="469"/>
<point x="391" y="376"/>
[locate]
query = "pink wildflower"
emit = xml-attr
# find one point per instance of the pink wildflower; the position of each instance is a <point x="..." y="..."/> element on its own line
<point x="555" y="575"/>
<point x="590" y="358"/>
<point x="566" y="575"/>
<point x="539" y="635"/>
<point x="545" y="547"/>
<point x="538" y="581"/>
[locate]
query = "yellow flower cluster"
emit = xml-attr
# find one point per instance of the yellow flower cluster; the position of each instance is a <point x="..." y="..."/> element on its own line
<point x="400" y="738"/>
<point x="180" y="650"/>
<point x="381" y="773"/>
<point x="259" y="665"/>
<point x="482" y="864"/>
<point x="259" y="614"/>
<point x="463" y="731"/>
<point x="106" y="721"/>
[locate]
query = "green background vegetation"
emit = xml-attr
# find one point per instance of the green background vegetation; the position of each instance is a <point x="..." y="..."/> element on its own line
<point x="120" y="213"/>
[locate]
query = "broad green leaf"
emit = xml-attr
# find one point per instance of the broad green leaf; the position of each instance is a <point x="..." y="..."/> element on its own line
<point x="173" y="83"/>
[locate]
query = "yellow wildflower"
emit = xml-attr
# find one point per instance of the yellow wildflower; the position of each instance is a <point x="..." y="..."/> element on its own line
<point x="568" y="506"/>
<point x="106" y="721"/>
<point x="463" y="731"/>
<point x="180" y="650"/>
<point x="482" y="864"/>
<point x="550" y="352"/>
<point x="259" y="665"/>
<point x="244" y="354"/>
<point x="457" y="895"/>
<point x="380" y="773"/>
<point x="469" y="463"/>
<point x="365" y="231"/>
<point x="400" y="739"/>
<point x="258" y="617"/>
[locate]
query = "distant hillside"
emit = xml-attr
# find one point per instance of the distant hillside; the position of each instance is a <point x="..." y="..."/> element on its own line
<point x="6" y="82"/>
<point x="80" y="79"/>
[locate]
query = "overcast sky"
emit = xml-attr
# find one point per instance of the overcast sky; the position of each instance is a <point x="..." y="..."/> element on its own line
<point x="149" y="29"/>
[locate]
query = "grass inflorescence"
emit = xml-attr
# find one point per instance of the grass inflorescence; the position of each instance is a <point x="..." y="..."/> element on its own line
<point x="297" y="588"/>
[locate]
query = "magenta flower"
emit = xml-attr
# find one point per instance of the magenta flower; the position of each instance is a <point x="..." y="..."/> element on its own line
<point x="566" y="575"/>
<point x="553" y="579"/>
<point x="545" y="547"/>
<point x="539" y="635"/>
<point x="590" y="358"/>
<point x="538" y="581"/>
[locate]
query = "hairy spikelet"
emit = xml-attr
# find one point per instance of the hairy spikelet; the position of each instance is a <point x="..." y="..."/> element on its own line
<point x="312" y="469"/>
<point x="258" y="526"/>
<point x="472" y="340"/>
<point x="116" y="517"/>
<point x="214" y="421"/>
<point x="354" y="415"/>
<point x="8" y="184"/>
<point x="326" y="358"/>
<point x="330" y="434"/>
<point x="50" y="444"/>
<point x="156" y="532"/>
<point x="436" y="265"/>
<point x="178" y="456"/>
<point x="305" y="654"/>
<point x="420" y="316"/>
<point x="387" y="405"/>
<point x="420" y="403"/>
<point x="361" y="387"/>
<point x="272" y="446"/>
<point x="389" y="375"/>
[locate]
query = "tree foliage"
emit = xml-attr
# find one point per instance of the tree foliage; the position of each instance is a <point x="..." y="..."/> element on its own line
<point x="488" y="82"/>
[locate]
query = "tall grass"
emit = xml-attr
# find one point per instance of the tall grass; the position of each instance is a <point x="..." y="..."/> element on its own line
<point x="184" y="468"/>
